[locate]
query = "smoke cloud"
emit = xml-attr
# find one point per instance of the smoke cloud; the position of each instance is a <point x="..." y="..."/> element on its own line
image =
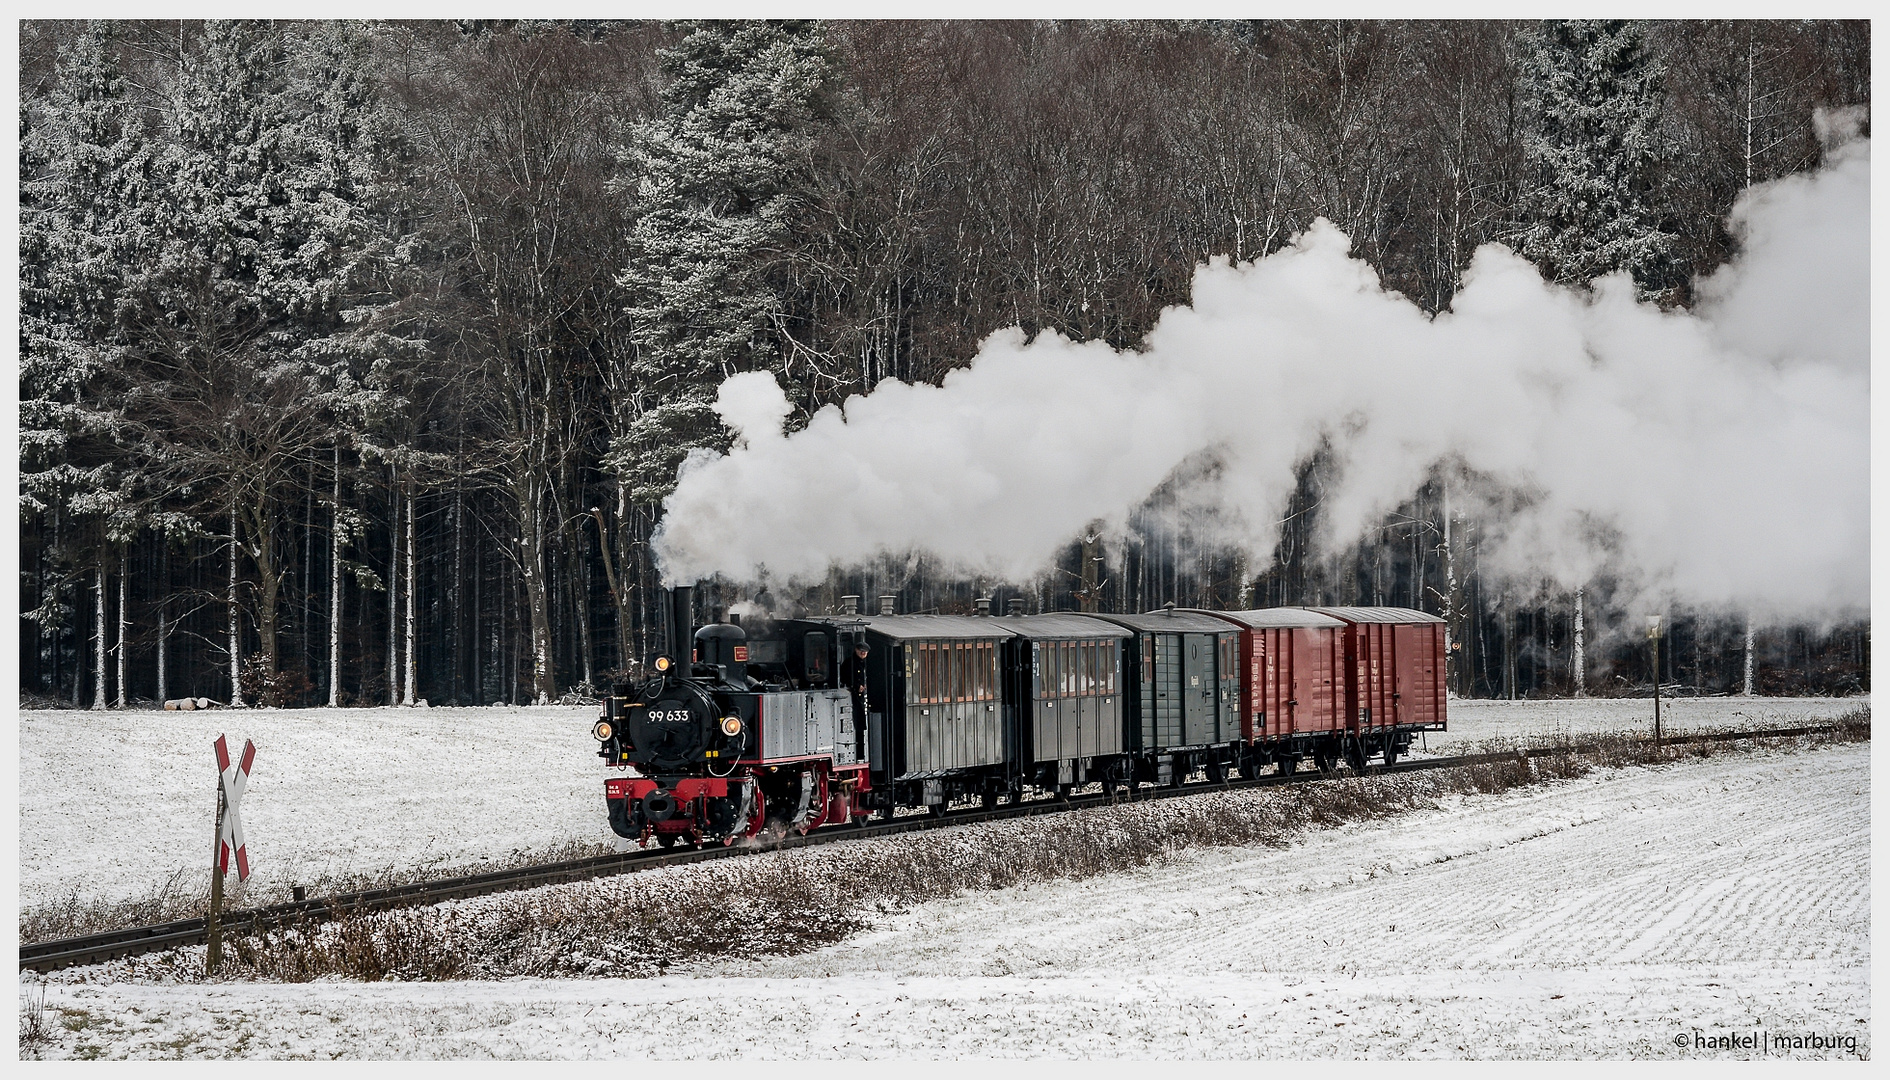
<point x="1717" y="458"/>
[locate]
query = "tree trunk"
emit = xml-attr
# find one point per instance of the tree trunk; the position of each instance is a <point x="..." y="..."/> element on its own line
<point x="163" y="627"/>
<point x="610" y="579"/>
<point x="334" y="592"/>
<point x="393" y="598"/>
<point x="1747" y="691"/>
<point x="407" y="688"/>
<point x="268" y="583"/>
<point x="236" y="654"/>
<point x="581" y="590"/>
<point x="458" y="635"/>
<point x="532" y="537"/>
<point x="1581" y="649"/>
<point x="124" y="622"/>
<point x="98" y="652"/>
<point x="1452" y="672"/>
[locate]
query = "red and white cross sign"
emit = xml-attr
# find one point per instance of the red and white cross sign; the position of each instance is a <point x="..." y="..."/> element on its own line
<point x="230" y="828"/>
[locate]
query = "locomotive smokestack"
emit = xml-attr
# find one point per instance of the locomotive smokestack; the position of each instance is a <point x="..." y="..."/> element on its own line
<point x="682" y="629"/>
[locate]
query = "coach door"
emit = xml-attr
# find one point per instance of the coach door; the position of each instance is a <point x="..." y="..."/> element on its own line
<point x="1197" y="689"/>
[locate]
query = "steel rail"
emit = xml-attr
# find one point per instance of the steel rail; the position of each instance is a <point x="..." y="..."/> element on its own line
<point x="119" y="944"/>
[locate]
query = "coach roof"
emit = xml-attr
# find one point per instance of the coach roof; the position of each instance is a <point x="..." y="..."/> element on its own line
<point x="1171" y="621"/>
<point x="1378" y="614"/>
<point x="1062" y="624"/>
<point x="921" y="627"/>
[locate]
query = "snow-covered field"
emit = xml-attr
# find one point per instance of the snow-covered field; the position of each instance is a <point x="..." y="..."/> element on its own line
<point x="112" y="804"/>
<point x="1478" y="719"/>
<point x="1634" y="913"/>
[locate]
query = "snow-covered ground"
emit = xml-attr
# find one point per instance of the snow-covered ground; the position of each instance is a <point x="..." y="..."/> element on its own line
<point x="112" y="804"/>
<point x="1478" y="719"/>
<point x="1634" y="913"/>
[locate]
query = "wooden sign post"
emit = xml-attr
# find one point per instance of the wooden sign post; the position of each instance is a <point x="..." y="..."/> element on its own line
<point x="232" y="782"/>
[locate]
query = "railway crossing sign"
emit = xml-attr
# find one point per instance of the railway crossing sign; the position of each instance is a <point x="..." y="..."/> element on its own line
<point x="235" y="781"/>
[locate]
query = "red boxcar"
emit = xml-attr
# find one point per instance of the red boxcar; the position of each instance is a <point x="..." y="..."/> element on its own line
<point x="1292" y="660"/>
<point x="1395" y="660"/>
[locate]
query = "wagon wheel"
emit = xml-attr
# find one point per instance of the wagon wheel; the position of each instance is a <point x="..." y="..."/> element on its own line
<point x="1391" y="753"/>
<point x="1323" y="760"/>
<point x="1355" y="754"/>
<point x="1288" y="765"/>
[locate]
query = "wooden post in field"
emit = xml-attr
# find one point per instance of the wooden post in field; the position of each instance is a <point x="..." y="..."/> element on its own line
<point x="213" y="952"/>
<point x="232" y="781"/>
<point x="1653" y="638"/>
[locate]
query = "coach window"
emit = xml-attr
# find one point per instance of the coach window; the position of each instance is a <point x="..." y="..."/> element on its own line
<point x="1052" y="669"/>
<point x="959" y="675"/>
<point x="1109" y="655"/>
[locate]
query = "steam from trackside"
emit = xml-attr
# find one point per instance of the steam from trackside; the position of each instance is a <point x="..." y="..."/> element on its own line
<point x="1718" y="457"/>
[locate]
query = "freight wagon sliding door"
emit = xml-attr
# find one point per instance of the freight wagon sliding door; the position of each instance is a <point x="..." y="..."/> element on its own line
<point x="1319" y="657"/>
<point x="1420" y="687"/>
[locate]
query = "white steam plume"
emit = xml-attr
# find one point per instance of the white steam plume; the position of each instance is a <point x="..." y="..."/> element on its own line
<point x="1719" y="457"/>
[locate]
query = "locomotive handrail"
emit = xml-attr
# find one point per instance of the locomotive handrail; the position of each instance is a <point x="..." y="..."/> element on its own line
<point x="132" y="941"/>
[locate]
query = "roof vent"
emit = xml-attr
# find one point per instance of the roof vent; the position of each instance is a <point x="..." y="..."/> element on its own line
<point x="1017" y="605"/>
<point x="984" y="605"/>
<point x="886" y="604"/>
<point x="849" y="605"/>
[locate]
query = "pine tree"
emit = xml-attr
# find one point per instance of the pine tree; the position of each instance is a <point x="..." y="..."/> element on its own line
<point x="84" y="216"/>
<point x="716" y="176"/>
<point x="252" y="342"/>
<point x="1592" y="91"/>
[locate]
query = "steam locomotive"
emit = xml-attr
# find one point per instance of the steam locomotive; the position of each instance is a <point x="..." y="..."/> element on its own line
<point x="836" y="718"/>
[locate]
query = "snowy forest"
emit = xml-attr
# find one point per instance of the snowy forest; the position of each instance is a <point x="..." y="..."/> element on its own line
<point x="357" y="359"/>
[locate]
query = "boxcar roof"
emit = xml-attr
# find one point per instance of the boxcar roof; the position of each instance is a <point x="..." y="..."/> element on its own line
<point x="1378" y="614"/>
<point x="913" y="627"/>
<point x="1061" y="624"/>
<point x="1277" y="618"/>
<point x="1172" y="621"/>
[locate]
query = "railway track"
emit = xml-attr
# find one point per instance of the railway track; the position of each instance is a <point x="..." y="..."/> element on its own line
<point x="117" y="944"/>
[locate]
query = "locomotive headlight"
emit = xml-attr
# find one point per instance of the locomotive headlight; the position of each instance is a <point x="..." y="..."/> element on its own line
<point x="662" y="663"/>
<point x="602" y="731"/>
<point x="731" y="726"/>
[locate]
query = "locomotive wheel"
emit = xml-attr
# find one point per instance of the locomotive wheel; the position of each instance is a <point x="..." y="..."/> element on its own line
<point x="668" y="840"/>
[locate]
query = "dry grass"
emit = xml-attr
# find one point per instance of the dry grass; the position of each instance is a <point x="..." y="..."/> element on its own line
<point x="34" y="1029"/>
<point x="76" y="916"/>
